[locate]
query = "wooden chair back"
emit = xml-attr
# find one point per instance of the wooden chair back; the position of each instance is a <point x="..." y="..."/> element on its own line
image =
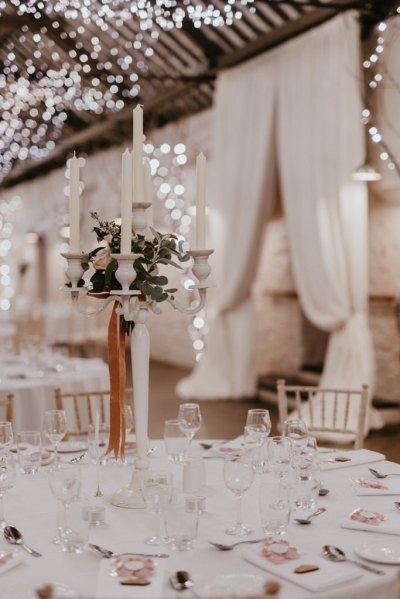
<point x="326" y="410"/>
<point x="8" y="403"/>
<point x="81" y="409"/>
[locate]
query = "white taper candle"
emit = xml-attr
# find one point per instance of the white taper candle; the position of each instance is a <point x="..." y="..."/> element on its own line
<point x="138" y="186"/>
<point x="126" y="203"/>
<point x="74" y="212"/>
<point x="201" y="201"/>
<point x="148" y="194"/>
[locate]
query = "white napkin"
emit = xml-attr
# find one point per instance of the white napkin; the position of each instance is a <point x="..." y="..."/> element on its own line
<point x="108" y="587"/>
<point x="391" y="487"/>
<point x="390" y="526"/>
<point x="10" y="560"/>
<point x="356" y="457"/>
<point x="329" y="574"/>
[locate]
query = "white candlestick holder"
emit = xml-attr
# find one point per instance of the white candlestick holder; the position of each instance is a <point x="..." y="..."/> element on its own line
<point x="139" y="218"/>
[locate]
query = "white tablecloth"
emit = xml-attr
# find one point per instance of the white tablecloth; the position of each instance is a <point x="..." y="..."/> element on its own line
<point x="34" y="392"/>
<point x="32" y="508"/>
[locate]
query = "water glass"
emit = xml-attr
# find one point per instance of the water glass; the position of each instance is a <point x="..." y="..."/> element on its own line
<point x="6" y="435"/>
<point x="275" y="505"/>
<point x="181" y="524"/>
<point x="29" y="449"/>
<point x="258" y="425"/>
<point x="7" y="478"/>
<point x="193" y="475"/>
<point x="65" y="484"/>
<point x="157" y="491"/>
<point x="175" y="441"/>
<point x="305" y="490"/>
<point x="189" y="417"/>
<point x="74" y="531"/>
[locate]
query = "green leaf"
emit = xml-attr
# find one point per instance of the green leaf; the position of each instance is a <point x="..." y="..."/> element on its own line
<point x="108" y="273"/>
<point x="158" y="280"/>
<point x="171" y="290"/>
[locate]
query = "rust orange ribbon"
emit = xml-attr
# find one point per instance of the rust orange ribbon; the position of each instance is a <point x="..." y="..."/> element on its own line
<point x="117" y="370"/>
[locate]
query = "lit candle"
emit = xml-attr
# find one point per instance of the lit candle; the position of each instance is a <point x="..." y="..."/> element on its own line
<point x="148" y="194"/>
<point x="74" y="215"/>
<point x="138" y="187"/>
<point x="126" y="203"/>
<point x="201" y="201"/>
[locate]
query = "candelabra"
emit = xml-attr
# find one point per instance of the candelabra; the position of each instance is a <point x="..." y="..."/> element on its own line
<point x="135" y="308"/>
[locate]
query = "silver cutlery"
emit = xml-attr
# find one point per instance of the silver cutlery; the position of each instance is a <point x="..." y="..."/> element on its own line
<point x="77" y="458"/>
<point x="380" y="475"/>
<point x="397" y="505"/>
<point x="223" y="547"/>
<point x="322" y="492"/>
<point x="108" y="554"/>
<point x="181" y="581"/>
<point x="337" y="555"/>
<point x="307" y="520"/>
<point x="13" y="536"/>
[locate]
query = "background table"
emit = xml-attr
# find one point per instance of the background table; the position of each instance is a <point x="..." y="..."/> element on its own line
<point x="32" y="508"/>
<point x="33" y="389"/>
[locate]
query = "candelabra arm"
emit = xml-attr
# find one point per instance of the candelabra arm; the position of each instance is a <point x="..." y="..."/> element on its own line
<point x="194" y="309"/>
<point x="103" y="304"/>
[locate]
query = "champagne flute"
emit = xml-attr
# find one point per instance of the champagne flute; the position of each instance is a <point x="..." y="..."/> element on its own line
<point x="7" y="478"/>
<point x="258" y="427"/>
<point x="238" y="477"/>
<point x="55" y="428"/>
<point x="189" y="417"/>
<point x="6" y="435"/>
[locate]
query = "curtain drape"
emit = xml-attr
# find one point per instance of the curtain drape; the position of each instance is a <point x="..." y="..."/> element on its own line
<point x="320" y="144"/>
<point x="313" y="83"/>
<point x="242" y="197"/>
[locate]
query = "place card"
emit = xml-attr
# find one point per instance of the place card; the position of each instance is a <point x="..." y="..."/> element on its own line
<point x="365" y="486"/>
<point x="365" y="519"/>
<point x="309" y="571"/>
<point x="132" y="568"/>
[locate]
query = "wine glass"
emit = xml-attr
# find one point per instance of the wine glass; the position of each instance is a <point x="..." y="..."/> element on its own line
<point x="258" y="427"/>
<point x="189" y="417"/>
<point x="6" y="435"/>
<point x="297" y="432"/>
<point x="65" y="484"/>
<point x="238" y="477"/>
<point x="55" y="428"/>
<point x="7" y="478"/>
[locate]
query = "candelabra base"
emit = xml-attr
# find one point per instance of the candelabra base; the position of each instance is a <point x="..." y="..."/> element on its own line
<point x="131" y="496"/>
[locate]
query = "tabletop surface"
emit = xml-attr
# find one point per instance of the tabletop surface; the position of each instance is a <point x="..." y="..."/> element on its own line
<point x="31" y="507"/>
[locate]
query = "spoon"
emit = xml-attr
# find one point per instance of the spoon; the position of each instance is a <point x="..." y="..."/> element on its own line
<point x="77" y="458"/>
<point x="13" y="536"/>
<point x="337" y="555"/>
<point x="323" y="492"/>
<point x="108" y="554"/>
<point x="223" y="547"/>
<point x="307" y="520"/>
<point x="181" y="581"/>
<point x="380" y="475"/>
<point x="397" y="505"/>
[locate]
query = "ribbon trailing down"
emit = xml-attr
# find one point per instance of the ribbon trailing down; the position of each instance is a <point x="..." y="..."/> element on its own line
<point x="117" y="370"/>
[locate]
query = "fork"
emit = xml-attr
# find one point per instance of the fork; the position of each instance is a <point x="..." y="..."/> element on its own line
<point x="77" y="458"/>
<point x="380" y="475"/>
<point x="223" y="547"/>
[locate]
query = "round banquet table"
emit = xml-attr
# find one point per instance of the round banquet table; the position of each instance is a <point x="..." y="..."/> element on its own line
<point x="30" y="506"/>
<point x="33" y="389"/>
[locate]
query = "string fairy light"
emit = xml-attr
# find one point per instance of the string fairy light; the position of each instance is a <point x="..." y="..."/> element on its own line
<point x="374" y="77"/>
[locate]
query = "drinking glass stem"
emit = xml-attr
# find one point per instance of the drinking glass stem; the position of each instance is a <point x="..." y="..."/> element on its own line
<point x="157" y="527"/>
<point x="189" y="446"/>
<point x="239" y="517"/>
<point x="56" y="454"/>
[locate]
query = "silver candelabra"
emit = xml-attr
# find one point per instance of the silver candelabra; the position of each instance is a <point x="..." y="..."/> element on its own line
<point x="136" y="310"/>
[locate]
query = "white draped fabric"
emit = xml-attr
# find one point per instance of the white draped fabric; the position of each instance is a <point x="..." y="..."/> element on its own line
<point x="244" y="163"/>
<point x="302" y="100"/>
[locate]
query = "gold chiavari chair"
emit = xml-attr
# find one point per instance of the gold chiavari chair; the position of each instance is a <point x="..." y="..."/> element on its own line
<point x="330" y="413"/>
